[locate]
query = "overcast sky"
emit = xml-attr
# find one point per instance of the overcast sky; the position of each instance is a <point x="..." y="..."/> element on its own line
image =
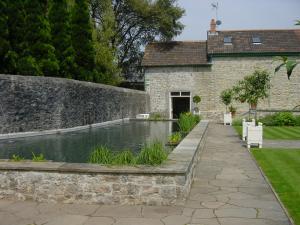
<point x="237" y="14"/>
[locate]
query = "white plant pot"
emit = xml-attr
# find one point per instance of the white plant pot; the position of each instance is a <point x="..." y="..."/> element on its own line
<point x="245" y="125"/>
<point x="227" y="119"/>
<point x="255" y="135"/>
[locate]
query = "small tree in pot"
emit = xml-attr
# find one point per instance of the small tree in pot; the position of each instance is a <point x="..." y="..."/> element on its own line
<point x="196" y="101"/>
<point x="253" y="88"/>
<point x="226" y="97"/>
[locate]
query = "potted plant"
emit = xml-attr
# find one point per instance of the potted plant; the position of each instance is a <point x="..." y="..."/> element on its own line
<point x="253" y="88"/>
<point x="196" y="101"/>
<point x="226" y="98"/>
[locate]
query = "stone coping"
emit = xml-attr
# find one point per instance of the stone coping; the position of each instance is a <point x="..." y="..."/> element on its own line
<point x="178" y="162"/>
<point x="58" y="131"/>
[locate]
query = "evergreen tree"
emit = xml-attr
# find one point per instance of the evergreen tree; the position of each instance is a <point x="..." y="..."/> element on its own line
<point x="40" y="54"/>
<point x="59" y="17"/>
<point x="4" y="43"/>
<point x="106" y="61"/>
<point x="16" y="30"/>
<point x="82" y="41"/>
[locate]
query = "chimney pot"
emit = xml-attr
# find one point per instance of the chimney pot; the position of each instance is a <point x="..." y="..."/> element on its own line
<point x="213" y="26"/>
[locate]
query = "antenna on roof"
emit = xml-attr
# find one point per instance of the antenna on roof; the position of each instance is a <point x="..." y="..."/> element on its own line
<point x="215" y="6"/>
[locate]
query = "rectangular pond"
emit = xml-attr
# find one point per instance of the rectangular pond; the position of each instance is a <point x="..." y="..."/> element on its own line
<point x="75" y="147"/>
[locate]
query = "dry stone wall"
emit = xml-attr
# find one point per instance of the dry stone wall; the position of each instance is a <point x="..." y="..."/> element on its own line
<point x="44" y="103"/>
<point x="209" y="82"/>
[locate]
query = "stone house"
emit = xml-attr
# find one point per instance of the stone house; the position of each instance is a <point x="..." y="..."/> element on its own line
<point x="176" y="71"/>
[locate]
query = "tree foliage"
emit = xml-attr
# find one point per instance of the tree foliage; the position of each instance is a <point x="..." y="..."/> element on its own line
<point x="226" y="97"/>
<point x="289" y="64"/>
<point x="38" y="37"/>
<point x="60" y="18"/>
<point x="104" y="32"/>
<point x="82" y="41"/>
<point x="4" y="43"/>
<point x="139" y="22"/>
<point x="253" y="87"/>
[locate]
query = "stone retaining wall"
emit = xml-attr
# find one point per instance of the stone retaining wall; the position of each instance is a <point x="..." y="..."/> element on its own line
<point x="46" y="103"/>
<point x="85" y="183"/>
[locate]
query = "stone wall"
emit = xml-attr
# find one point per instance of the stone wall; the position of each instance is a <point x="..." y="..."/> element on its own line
<point x="45" y="103"/>
<point x="209" y="82"/>
<point x="167" y="184"/>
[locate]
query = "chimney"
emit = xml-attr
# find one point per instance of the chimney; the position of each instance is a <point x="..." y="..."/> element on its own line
<point x="213" y="26"/>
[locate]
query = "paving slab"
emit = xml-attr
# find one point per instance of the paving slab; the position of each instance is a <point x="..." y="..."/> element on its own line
<point x="228" y="189"/>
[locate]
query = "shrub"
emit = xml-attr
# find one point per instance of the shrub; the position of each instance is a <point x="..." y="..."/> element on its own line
<point x="101" y="155"/>
<point x="297" y="120"/>
<point x="38" y="158"/>
<point x="237" y="122"/>
<point x="284" y="119"/>
<point x="196" y="99"/>
<point x="124" y="158"/>
<point x="187" y="122"/>
<point x="268" y="120"/>
<point x="175" y="138"/>
<point x="280" y="119"/>
<point x="153" y="154"/>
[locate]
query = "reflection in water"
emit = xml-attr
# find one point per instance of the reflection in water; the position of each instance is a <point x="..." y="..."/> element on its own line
<point x="76" y="146"/>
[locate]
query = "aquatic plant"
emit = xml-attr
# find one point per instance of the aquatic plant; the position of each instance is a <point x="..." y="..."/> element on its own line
<point x="124" y="158"/>
<point x="17" y="158"/>
<point x="38" y="158"/>
<point x="187" y="121"/>
<point x="153" y="154"/>
<point x="175" y="138"/>
<point x="101" y="155"/>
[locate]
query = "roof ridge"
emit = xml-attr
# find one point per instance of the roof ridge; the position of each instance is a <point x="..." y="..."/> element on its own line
<point x="294" y="29"/>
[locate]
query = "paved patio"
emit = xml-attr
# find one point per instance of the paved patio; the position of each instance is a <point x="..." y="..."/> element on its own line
<point x="281" y="144"/>
<point x="228" y="190"/>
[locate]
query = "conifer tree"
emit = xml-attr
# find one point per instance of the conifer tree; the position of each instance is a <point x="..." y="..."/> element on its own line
<point x="106" y="60"/>
<point x="60" y="18"/>
<point x="4" y="43"/>
<point x="82" y="41"/>
<point x="40" y="54"/>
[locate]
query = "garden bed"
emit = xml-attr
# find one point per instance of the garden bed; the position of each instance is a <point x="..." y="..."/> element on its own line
<point x="166" y="184"/>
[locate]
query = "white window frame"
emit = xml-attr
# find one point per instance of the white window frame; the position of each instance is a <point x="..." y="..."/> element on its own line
<point x="178" y="96"/>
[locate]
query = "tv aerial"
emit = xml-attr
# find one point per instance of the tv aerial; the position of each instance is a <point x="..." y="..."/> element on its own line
<point x="215" y="6"/>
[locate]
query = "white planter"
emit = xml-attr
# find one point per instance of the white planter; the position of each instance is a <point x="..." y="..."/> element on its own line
<point x="227" y="119"/>
<point x="255" y="135"/>
<point x="143" y="116"/>
<point x="245" y="125"/>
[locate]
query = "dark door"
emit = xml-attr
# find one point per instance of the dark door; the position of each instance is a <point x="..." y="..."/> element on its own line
<point x="180" y="105"/>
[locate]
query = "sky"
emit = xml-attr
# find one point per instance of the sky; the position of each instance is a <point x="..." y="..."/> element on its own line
<point x="237" y="15"/>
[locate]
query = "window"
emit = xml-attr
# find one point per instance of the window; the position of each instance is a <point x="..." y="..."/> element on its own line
<point x="227" y="40"/>
<point x="256" y="40"/>
<point x="175" y="93"/>
<point x="181" y="94"/>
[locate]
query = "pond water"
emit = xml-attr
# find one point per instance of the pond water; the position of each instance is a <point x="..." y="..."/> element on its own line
<point x="76" y="146"/>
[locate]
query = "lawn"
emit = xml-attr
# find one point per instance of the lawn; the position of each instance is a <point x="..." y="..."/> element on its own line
<point x="282" y="167"/>
<point x="277" y="133"/>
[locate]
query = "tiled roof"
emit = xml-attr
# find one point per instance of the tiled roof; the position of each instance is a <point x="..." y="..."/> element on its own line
<point x="272" y="41"/>
<point x="175" y="53"/>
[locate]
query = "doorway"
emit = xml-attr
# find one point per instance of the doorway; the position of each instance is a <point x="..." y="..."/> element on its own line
<point x="180" y="103"/>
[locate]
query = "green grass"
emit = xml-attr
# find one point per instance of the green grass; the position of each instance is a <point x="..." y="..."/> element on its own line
<point x="277" y="133"/>
<point x="282" y="167"/>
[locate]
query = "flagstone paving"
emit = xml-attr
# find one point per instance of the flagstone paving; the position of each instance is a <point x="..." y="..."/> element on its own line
<point x="228" y="190"/>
